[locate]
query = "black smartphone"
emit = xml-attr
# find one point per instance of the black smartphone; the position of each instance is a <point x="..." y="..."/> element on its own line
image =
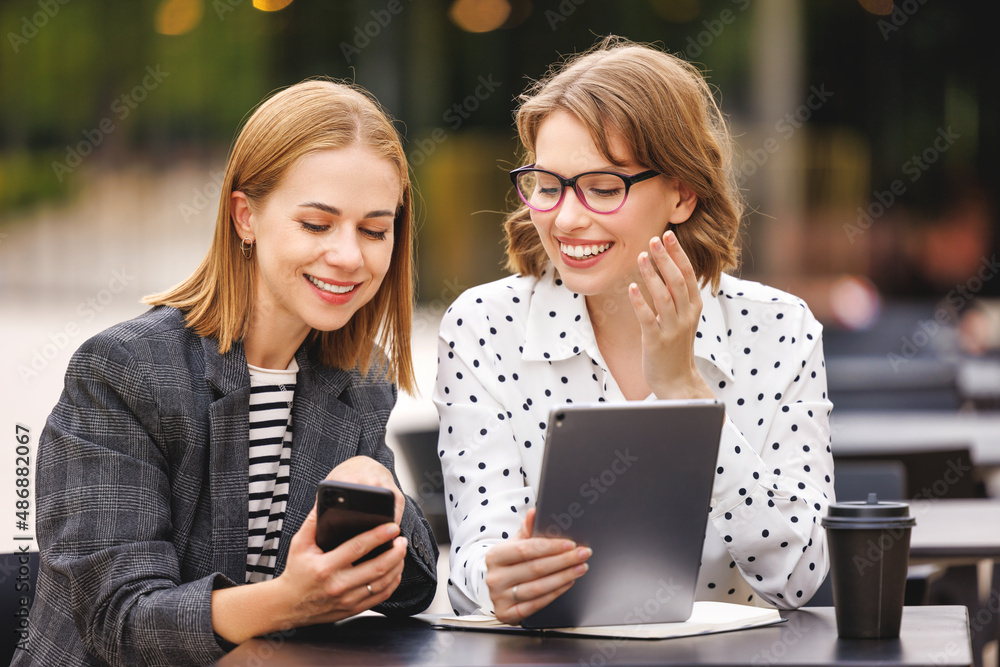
<point x="344" y="510"/>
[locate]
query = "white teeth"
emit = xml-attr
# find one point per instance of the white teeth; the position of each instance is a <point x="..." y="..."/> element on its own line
<point x="580" y="251"/>
<point x="335" y="289"/>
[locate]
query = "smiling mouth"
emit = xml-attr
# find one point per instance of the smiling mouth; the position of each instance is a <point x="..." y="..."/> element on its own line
<point x="581" y="251"/>
<point x="326" y="287"/>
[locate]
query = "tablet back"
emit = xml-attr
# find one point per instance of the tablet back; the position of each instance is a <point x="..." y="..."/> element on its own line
<point x="633" y="481"/>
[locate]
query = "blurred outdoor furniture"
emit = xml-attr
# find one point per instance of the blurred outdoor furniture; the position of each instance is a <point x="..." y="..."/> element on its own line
<point x="862" y="432"/>
<point x="418" y="452"/>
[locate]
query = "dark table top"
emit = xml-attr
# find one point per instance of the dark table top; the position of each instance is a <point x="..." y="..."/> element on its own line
<point x="933" y="635"/>
<point x="955" y="528"/>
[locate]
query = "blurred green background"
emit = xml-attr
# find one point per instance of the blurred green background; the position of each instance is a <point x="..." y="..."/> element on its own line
<point x="867" y="149"/>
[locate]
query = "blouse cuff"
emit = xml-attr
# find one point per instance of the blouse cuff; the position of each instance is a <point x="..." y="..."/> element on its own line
<point x="477" y="582"/>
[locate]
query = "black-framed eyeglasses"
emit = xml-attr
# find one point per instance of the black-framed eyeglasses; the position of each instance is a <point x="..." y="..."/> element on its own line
<point x="599" y="191"/>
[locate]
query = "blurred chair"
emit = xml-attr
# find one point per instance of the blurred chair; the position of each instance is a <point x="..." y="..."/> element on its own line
<point x="18" y="577"/>
<point x="880" y="383"/>
<point x="944" y="472"/>
<point x="907" y="360"/>
<point x="854" y="480"/>
<point x="419" y="449"/>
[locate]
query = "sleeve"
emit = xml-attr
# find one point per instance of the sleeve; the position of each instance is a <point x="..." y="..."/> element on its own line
<point x="419" y="581"/>
<point x="767" y="505"/>
<point x="104" y="520"/>
<point x="418" y="585"/>
<point x="485" y="492"/>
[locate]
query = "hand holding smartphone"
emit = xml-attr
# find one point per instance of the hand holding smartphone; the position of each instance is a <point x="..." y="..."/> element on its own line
<point x="344" y="510"/>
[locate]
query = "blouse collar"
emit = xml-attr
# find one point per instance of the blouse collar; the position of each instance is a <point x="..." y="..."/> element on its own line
<point x="559" y="326"/>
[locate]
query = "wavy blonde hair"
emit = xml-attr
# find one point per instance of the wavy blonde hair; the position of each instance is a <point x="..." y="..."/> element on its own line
<point x="218" y="298"/>
<point x="663" y="110"/>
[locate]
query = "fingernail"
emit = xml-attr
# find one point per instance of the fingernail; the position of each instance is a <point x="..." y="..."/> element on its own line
<point x="657" y="244"/>
<point x="569" y="545"/>
<point x="583" y="553"/>
<point x="670" y="238"/>
<point x="644" y="258"/>
<point x="581" y="568"/>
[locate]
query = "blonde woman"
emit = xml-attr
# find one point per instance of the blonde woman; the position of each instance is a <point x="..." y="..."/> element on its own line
<point x="621" y="248"/>
<point x="177" y="474"/>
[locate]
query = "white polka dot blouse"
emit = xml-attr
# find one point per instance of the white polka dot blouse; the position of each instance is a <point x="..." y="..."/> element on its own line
<point x="512" y="349"/>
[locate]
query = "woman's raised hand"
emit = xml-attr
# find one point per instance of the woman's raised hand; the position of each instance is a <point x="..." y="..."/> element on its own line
<point x="670" y="321"/>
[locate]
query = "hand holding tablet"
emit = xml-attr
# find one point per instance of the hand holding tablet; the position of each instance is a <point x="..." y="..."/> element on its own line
<point x="633" y="482"/>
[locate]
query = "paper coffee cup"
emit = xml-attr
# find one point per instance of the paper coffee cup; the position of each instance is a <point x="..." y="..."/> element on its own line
<point x="869" y="544"/>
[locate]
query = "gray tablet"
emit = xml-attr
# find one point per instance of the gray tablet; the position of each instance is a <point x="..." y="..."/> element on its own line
<point x="633" y="481"/>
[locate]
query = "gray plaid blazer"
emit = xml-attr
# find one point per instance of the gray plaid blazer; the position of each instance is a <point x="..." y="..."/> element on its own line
<point x="142" y="492"/>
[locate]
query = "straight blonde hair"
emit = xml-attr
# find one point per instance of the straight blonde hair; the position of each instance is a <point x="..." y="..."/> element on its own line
<point x="664" y="111"/>
<point x="218" y="298"/>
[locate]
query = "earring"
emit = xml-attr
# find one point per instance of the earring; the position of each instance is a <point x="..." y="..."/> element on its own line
<point x="246" y="247"/>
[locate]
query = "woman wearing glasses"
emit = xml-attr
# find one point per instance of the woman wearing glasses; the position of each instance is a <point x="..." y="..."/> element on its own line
<point x="629" y="222"/>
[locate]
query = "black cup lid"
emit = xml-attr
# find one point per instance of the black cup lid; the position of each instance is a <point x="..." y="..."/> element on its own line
<point x="871" y="510"/>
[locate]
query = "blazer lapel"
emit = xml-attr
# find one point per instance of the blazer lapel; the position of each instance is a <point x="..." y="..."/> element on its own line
<point x="326" y="432"/>
<point x="229" y="457"/>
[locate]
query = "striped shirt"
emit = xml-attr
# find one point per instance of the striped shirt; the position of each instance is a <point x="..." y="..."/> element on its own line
<point x="271" y="393"/>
